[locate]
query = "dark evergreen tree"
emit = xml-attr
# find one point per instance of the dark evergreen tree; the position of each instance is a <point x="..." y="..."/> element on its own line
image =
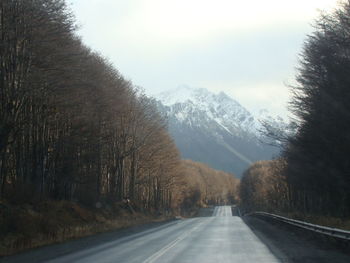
<point x="318" y="170"/>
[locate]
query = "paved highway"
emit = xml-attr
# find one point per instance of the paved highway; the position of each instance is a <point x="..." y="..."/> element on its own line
<point x="219" y="238"/>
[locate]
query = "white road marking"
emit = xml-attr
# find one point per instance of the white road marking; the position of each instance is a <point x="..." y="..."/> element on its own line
<point x="222" y="211"/>
<point x="172" y="244"/>
<point x="220" y="238"/>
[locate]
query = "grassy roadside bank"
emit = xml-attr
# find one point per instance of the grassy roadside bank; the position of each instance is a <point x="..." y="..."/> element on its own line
<point x="29" y="226"/>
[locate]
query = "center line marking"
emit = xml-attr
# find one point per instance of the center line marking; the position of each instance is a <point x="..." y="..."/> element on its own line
<point x="163" y="250"/>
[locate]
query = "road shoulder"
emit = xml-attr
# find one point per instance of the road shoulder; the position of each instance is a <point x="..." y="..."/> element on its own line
<point x="294" y="246"/>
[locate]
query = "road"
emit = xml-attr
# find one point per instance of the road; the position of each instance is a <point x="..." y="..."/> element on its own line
<point x="218" y="238"/>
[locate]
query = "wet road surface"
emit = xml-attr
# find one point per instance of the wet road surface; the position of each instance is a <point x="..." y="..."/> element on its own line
<point x="219" y="238"/>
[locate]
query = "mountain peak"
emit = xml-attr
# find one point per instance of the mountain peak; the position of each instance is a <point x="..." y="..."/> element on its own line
<point x="216" y="108"/>
<point x="182" y="94"/>
<point x="223" y="95"/>
<point x="213" y="128"/>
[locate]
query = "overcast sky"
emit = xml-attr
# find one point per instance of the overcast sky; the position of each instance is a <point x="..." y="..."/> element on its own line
<point x="248" y="49"/>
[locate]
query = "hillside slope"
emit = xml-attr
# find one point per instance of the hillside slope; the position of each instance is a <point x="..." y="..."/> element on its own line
<point x="215" y="129"/>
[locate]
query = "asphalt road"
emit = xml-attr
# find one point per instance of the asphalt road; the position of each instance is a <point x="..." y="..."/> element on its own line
<point x="218" y="238"/>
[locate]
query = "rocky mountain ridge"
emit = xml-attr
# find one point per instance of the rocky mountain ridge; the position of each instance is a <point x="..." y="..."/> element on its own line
<point x="216" y="129"/>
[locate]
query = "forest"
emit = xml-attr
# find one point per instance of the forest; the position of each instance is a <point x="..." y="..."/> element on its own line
<point x="311" y="177"/>
<point x="80" y="145"/>
<point x="206" y="186"/>
<point x="72" y="128"/>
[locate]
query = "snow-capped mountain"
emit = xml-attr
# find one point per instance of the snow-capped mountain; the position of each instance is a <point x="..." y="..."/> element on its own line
<point x="215" y="129"/>
<point x="220" y="108"/>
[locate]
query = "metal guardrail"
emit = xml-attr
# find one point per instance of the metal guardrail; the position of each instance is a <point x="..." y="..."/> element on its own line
<point x="333" y="232"/>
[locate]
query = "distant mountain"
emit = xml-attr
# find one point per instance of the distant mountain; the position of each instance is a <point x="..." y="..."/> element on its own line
<point x="215" y="129"/>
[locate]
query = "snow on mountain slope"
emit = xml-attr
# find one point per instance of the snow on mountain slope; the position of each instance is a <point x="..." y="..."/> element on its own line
<point x="220" y="108"/>
<point x="214" y="128"/>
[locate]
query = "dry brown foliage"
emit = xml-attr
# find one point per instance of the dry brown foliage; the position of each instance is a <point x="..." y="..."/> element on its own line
<point x="203" y="186"/>
<point x="263" y="187"/>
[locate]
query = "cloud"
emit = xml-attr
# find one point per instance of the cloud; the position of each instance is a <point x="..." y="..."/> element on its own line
<point x="173" y="21"/>
<point x="245" y="48"/>
<point x="165" y="23"/>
